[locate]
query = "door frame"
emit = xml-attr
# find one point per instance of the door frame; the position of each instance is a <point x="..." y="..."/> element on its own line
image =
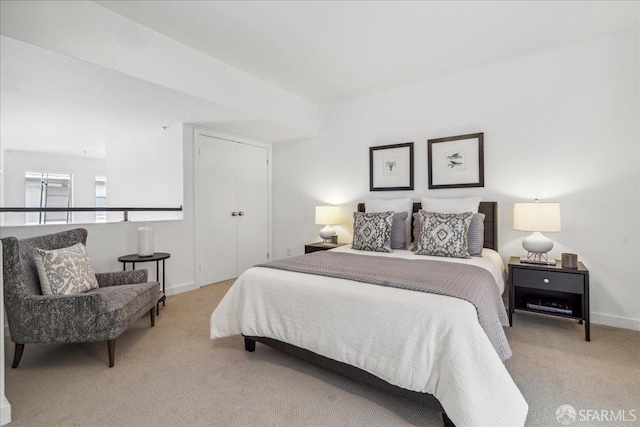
<point x="210" y="133"/>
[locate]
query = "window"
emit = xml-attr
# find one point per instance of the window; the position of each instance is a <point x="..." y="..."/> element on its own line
<point x="48" y="190"/>
<point x="101" y="197"/>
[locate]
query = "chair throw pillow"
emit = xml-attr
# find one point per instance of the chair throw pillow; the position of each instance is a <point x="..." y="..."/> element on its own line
<point x="475" y="236"/>
<point x="372" y="231"/>
<point x="64" y="271"/>
<point x="444" y="234"/>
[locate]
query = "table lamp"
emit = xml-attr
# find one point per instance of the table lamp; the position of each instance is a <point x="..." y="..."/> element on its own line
<point x="327" y="215"/>
<point x="537" y="217"/>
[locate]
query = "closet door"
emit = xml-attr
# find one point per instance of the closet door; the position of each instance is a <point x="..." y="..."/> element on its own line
<point x="253" y="206"/>
<point x="232" y="207"/>
<point x="216" y="201"/>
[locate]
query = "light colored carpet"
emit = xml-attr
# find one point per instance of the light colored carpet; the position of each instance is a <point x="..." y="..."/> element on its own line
<point x="173" y="375"/>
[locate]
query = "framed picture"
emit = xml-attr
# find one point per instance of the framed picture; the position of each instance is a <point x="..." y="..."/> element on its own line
<point x="456" y="161"/>
<point x="391" y="167"/>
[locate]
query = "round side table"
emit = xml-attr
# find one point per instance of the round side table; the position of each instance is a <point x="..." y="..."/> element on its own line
<point x="157" y="257"/>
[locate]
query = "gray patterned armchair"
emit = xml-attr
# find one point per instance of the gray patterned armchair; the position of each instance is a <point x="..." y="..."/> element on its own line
<point x="100" y="314"/>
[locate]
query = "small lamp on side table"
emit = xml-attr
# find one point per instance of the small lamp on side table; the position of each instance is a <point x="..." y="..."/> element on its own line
<point x="537" y="217"/>
<point x="327" y="215"/>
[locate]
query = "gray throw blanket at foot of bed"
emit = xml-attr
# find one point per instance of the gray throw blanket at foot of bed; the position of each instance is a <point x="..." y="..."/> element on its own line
<point x="464" y="281"/>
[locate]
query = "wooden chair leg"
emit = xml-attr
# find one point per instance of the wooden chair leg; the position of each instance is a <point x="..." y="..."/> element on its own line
<point x="152" y="314"/>
<point x="447" y="421"/>
<point x="17" y="355"/>
<point x="112" y="352"/>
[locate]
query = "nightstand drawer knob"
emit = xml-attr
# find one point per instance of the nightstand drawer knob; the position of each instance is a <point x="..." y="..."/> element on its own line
<point x="545" y="280"/>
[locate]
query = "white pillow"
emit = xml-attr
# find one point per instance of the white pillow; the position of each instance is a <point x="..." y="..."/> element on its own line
<point x="394" y="205"/>
<point x="451" y="206"/>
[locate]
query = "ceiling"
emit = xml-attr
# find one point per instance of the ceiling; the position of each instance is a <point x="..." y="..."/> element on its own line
<point x="328" y="51"/>
<point x="321" y="51"/>
<point x="54" y="103"/>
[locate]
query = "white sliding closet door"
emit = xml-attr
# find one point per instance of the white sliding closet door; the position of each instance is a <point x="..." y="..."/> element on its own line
<point x="232" y="207"/>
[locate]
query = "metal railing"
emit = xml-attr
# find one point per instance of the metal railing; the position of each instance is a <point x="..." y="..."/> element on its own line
<point x="125" y="211"/>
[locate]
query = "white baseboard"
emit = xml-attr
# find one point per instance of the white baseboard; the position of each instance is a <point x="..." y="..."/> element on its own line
<point x="178" y="289"/>
<point x="5" y="411"/>
<point x="615" y="321"/>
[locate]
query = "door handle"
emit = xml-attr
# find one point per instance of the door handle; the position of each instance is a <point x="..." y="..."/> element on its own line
<point x="234" y="213"/>
<point x="241" y="213"/>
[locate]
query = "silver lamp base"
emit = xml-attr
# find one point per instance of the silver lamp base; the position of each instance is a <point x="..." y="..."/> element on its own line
<point x="537" y="256"/>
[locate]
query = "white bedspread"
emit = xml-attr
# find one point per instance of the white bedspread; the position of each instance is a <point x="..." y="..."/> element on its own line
<point x="418" y="341"/>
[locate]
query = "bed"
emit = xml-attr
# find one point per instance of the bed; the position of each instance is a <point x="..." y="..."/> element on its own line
<point x="435" y="353"/>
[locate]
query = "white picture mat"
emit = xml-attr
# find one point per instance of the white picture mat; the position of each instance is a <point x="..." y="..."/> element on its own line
<point x="400" y="176"/>
<point x="468" y="173"/>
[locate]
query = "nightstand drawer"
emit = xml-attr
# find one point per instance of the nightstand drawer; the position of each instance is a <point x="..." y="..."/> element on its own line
<point x="320" y="246"/>
<point x="548" y="280"/>
<point x="310" y="249"/>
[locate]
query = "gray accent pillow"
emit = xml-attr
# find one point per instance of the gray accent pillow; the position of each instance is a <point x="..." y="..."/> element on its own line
<point x="398" y="231"/>
<point x="416" y="229"/>
<point x="444" y="234"/>
<point x="64" y="271"/>
<point x="475" y="237"/>
<point x="372" y="231"/>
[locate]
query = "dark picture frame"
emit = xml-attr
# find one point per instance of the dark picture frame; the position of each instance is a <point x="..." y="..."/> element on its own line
<point x="456" y="161"/>
<point x="391" y="167"/>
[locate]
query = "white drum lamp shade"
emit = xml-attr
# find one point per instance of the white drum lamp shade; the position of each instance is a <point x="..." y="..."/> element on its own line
<point x="538" y="218"/>
<point x="327" y="215"/>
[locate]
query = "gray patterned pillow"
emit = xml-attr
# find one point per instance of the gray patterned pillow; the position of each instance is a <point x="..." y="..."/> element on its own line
<point x="64" y="271"/>
<point x="444" y="234"/>
<point x="372" y="231"/>
<point x="475" y="236"/>
<point x="398" y="231"/>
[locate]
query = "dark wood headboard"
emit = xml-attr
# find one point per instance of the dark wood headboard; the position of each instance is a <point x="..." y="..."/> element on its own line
<point x="490" y="211"/>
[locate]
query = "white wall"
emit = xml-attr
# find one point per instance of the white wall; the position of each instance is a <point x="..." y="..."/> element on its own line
<point x="106" y="242"/>
<point x="84" y="171"/>
<point x="141" y="172"/>
<point x="559" y="126"/>
<point x="87" y="31"/>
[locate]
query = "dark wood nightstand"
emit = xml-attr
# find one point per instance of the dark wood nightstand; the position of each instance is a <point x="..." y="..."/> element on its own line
<point x="315" y="247"/>
<point x="529" y="283"/>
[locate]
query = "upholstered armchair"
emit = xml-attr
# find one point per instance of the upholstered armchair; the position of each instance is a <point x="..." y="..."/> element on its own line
<point x="100" y="314"/>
